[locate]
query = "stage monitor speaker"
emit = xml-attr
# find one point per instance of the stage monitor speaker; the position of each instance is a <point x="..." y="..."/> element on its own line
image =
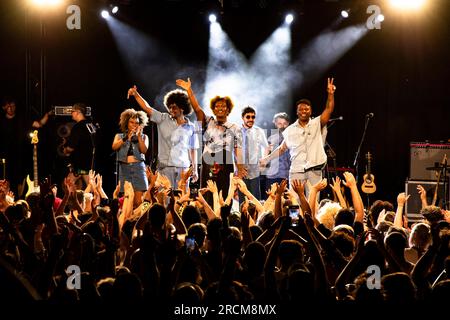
<point x="414" y="204"/>
<point x="424" y="155"/>
<point x="67" y="111"/>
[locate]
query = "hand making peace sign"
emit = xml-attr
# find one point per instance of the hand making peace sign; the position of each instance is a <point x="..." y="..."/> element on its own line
<point x="331" y="88"/>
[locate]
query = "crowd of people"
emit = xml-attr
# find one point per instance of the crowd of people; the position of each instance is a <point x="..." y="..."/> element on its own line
<point x="160" y="237"/>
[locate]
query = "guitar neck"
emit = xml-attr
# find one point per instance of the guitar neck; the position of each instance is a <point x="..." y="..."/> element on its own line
<point x="369" y="170"/>
<point x="35" y="167"/>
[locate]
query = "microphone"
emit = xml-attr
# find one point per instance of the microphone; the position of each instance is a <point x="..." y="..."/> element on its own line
<point x="369" y="115"/>
<point x="336" y="119"/>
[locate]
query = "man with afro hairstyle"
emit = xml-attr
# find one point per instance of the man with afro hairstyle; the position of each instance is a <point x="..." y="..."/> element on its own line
<point x="177" y="138"/>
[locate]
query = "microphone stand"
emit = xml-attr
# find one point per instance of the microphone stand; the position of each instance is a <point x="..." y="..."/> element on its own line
<point x="355" y="162"/>
<point x="116" y="173"/>
<point x="446" y="181"/>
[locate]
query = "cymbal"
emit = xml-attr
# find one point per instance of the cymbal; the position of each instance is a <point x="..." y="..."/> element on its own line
<point x="438" y="168"/>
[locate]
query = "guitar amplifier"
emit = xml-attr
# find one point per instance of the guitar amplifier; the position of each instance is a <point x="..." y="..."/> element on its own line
<point x="414" y="205"/>
<point x="67" y="111"/>
<point x="424" y="155"/>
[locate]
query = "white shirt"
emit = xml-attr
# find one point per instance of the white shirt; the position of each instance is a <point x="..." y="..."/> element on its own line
<point x="255" y="140"/>
<point x="174" y="141"/>
<point x="306" y="145"/>
<point x="226" y="136"/>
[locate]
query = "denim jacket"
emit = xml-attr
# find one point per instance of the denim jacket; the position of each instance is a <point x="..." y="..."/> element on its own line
<point x="123" y="151"/>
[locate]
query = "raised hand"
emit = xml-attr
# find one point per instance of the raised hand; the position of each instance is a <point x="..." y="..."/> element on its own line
<point x="186" y="174"/>
<point x="99" y="181"/>
<point x="299" y="187"/>
<point x="336" y="186"/>
<point x="116" y="191"/>
<point x="212" y="186"/>
<point x="273" y="189"/>
<point x="381" y="216"/>
<point x="221" y="201"/>
<point x="245" y="219"/>
<point x="422" y="192"/>
<point x="132" y="92"/>
<point x="240" y="184"/>
<point x="350" y="181"/>
<point x="201" y="192"/>
<point x="402" y="198"/>
<point x="194" y="176"/>
<point x="319" y="186"/>
<point x="10" y="194"/>
<point x="331" y="88"/>
<point x="186" y="85"/>
<point x="151" y="177"/>
<point x="281" y="187"/>
<point x="164" y="181"/>
<point x="186" y="197"/>
<point x="242" y="171"/>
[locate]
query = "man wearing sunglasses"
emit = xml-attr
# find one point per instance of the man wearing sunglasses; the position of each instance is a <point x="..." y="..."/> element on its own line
<point x="254" y="143"/>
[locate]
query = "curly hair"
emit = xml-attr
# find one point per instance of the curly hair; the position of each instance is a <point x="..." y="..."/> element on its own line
<point x="327" y="214"/>
<point x="180" y="98"/>
<point x="227" y="100"/>
<point x="128" y="114"/>
<point x="281" y="115"/>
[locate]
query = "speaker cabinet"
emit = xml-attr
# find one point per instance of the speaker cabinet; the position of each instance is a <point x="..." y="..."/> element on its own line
<point x="424" y="155"/>
<point x="414" y="205"/>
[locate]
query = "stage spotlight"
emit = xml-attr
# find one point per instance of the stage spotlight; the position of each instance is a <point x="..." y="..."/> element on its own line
<point x="212" y="18"/>
<point x="115" y="9"/>
<point x="380" y="18"/>
<point x="105" y="14"/>
<point x="408" y="4"/>
<point x="345" y="14"/>
<point x="289" y="18"/>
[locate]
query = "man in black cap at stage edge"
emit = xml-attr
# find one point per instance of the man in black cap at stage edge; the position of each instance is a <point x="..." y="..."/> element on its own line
<point x="80" y="143"/>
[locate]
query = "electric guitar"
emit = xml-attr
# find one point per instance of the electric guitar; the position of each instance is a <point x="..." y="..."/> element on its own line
<point x="368" y="185"/>
<point x="33" y="186"/>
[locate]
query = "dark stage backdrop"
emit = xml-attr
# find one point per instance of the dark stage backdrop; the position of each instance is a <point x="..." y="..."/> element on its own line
<point x="400" y="73"/>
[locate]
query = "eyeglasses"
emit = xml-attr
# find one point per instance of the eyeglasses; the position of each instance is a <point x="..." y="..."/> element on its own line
<point x="250" y="117"/>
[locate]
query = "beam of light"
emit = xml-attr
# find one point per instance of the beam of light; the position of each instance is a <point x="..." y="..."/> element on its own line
<point x="260" y="82"/>
<point x="151" y="65"/>
<point x="323" y="52"/>
<point x="226" y="72"/>
<point x="408" y="4"/>
<point x="269" y="84"/>
<point x="142" y="55"/>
